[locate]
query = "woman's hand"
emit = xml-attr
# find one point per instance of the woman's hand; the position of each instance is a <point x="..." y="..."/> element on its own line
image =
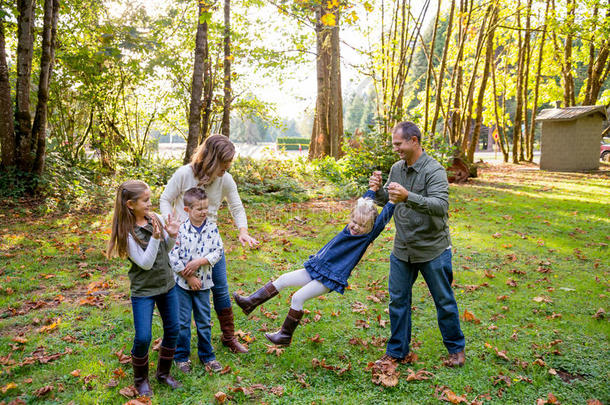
<point x="172" y="225"/>
<point x="245" y="238"/>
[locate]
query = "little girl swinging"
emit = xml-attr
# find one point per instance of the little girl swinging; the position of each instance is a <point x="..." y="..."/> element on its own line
<point x="327" y="270"/>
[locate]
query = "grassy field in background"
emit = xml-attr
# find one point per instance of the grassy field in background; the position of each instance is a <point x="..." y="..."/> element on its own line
<point x="531" y="273"/>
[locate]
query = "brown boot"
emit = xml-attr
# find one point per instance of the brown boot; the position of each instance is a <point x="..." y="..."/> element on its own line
<point x="248" y="304"/>
<point x="166" y="357"/>
<point x="283" y="337"/>
<point x="456" y="359"/>
<point x="225" y="317"/>
<point x="140" y="375"/>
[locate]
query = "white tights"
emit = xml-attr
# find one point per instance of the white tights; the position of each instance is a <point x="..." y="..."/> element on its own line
<point x="310" y="288"/>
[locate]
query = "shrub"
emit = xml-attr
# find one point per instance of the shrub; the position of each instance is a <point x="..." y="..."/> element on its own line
<point x="276" y="178"/>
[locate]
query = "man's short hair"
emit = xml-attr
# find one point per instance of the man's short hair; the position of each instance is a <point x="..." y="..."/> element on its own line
<point x="408" y="130"/>
<point x="193" y="195"/>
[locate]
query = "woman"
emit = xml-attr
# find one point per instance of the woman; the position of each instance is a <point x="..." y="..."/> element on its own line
<point x="208" y="169"/>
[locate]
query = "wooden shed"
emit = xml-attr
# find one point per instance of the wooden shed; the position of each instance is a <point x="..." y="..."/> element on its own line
<point x="571" y="137"/>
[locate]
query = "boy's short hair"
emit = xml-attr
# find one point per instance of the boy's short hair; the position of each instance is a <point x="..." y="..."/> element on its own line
<point x="193" y="195"/>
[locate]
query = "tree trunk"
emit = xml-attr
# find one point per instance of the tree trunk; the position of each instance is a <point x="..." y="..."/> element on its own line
<point x="598" y="68"/>
<point x="197" y="86"/>
<point x="7" y="128"/>
<point x="429" y="70"/>
<point x="226" y="112"/>
<point x="569" y="98"/>
<point x="526" y="68"/>
<point x="439" y="85"/>
<point x="25" y="50"/>
<point x="501" y="135"/>
<point x="519" y="93"/>
<point x="327" y="132"/>
<point x="486" y="69"/>
<point x="39" y="128"/>
<point x="530" y="140"/>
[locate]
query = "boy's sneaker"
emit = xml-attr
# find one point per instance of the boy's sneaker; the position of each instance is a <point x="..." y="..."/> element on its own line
<point x="184" y="366"/>
<point x="213" y="365"/>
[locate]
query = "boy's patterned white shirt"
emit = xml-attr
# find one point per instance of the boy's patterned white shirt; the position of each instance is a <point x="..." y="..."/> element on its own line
<point x="190" y="245"/>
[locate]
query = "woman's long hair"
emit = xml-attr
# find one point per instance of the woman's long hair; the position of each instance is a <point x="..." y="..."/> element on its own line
<point x="124" y="220"/>
<point x="215" y="151"/>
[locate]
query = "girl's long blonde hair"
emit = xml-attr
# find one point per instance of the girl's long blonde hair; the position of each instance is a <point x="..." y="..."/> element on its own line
<point x="216" y="150"/>
<point x="124" y="220"/>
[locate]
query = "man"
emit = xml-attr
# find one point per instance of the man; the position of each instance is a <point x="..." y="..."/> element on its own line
<point x="419" y="185"/>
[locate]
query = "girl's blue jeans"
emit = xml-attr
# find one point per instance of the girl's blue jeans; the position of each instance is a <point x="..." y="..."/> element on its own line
<point x="438" y="275"/>
<point x="142" y="319"/>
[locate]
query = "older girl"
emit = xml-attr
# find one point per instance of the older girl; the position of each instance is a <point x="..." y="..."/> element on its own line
<point x="143" y="237"/>
<point x="208" y="170"/>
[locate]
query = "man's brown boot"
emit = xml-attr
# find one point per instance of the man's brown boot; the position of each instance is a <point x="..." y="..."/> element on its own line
<point x="225" y="317"/>
<point x="283" y="337"/>
<point x="248" y="304"/>
<point x="140" y="375"/>
<point x="456" y="359"/>
<point x="166" y="358"/>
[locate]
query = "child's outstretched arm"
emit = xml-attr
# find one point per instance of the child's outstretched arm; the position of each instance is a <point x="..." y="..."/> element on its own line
<point x="382" y="219"/>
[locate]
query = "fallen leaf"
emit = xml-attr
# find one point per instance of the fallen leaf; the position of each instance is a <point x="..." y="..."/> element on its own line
<point x="542" y="299"/>
<point x="469" y="317"/>
<point x="143" y="400"/>
<point x="272" y="349"/>
<point x="75" y="373"/>
<point x="129" y="391"/>
<point x="419" y="375"/>
<point x="8" y="386"/>
<point x="317" y="339"/>
<point x="42" y="391"/>
<point x="277" y="390"/>
<point x="600" y="314"/>
<point x="119" y="372"/>
<point x="220" y="397"/>
<point x="539" y="362"/>
<point x="452" y="397"/>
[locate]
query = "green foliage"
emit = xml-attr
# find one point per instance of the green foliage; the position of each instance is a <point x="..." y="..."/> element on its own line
<point x="273" y="178"/>
<point x="285" y="140"/>
<point x="365" y="152"/>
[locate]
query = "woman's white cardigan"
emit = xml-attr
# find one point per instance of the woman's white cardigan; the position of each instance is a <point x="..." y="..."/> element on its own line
<point x="221" y="188"/>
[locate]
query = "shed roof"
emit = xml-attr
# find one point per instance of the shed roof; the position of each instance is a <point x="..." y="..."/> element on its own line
<point x="570" y="113"/>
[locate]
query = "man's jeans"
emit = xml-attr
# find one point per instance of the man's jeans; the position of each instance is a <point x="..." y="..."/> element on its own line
<point x="220" y="291"/>
<point x="197" y="302"/>
<point x="438" y="275"/>
<point x="142" y="319"/>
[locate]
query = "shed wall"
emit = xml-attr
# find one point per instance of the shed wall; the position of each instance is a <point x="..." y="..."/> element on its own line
<point x="570" y="145"/>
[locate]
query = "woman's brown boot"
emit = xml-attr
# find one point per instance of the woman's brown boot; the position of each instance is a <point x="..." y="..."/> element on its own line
<point x="248" y="304"/>
<point x="140" y="375"/>
<point x="166" y="357"/>
<point x="225" y="317"/>
<point x="283" y="337"/>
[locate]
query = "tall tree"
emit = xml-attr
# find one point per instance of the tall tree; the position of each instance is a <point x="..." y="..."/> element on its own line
<point x="599" y="68"/>
<point x="201" y="68"/>
<point x="327" y="132"/>
<point x="226" y="111"/>
<point x="27" y="149"/>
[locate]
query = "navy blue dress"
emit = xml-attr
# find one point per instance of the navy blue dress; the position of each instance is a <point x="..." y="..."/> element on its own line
<point x="334" y="263"/>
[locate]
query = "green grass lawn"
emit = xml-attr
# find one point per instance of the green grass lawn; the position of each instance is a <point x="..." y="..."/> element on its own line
<point x="531" y="268"/>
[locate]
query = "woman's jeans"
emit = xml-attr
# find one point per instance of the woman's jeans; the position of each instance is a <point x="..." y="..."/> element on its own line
<point x="220" y="291"/>
<point x="197" y="302"/>
<point x="438" y="275"/>
<point x="142" y="319"/>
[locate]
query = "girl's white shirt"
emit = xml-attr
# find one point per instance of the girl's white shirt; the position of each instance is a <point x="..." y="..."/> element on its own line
<point x="146" y="258"/>
<point x="221" y="188"/>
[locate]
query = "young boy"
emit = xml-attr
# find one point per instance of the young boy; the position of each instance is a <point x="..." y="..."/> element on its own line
<point x="197" y="249"/>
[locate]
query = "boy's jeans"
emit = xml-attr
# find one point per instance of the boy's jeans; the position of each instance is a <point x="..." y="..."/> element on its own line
<point x="197" y="302"/>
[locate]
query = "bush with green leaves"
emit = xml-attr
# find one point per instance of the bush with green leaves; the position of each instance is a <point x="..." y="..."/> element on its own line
<point x="271" y="177"/>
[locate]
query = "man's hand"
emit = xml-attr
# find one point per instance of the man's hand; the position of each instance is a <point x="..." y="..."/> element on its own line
<point x="194" y="283"/>
<point x="375" y="181"/>
<point x="397" y="193"/>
